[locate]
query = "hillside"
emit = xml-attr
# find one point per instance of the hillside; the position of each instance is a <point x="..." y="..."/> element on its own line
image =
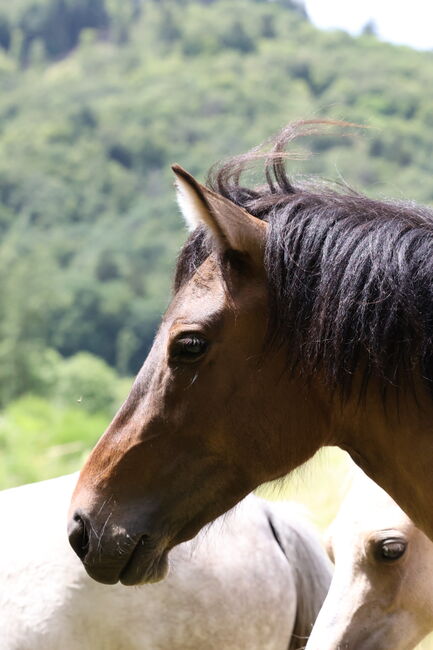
<point x="98" y="98"/>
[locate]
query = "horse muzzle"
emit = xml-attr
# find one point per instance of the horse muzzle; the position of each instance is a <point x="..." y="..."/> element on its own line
<point x="113" y="555"/>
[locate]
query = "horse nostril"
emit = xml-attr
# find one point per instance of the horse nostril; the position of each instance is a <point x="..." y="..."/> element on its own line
<point x="79" y="536"/>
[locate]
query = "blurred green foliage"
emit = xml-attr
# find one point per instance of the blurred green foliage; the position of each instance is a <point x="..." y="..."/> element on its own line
<point x="40" y="438"/>
<point x="50" y="431"/>
<point x="97" y="98"/>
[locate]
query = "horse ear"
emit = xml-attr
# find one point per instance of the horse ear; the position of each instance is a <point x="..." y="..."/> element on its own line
<point x="232" y="227"/>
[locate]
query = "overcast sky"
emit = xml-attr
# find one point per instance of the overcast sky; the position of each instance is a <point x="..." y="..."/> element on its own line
<point x="409" y="22"/>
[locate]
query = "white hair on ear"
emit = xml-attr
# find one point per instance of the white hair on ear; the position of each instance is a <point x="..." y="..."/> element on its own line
<point x="191" y="205"/>
<point x="230" y="225"/>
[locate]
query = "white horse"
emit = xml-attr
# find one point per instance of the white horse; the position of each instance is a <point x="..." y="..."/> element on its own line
<point x="381" y="595"/>
<point x="254" y="580"/>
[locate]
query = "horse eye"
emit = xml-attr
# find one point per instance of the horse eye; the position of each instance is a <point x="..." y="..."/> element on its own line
<point x="391" y="549"/>
<point x="188" y="348"/>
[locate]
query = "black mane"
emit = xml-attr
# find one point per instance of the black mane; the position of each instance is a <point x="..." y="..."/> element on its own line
<point x="350" y="278"/>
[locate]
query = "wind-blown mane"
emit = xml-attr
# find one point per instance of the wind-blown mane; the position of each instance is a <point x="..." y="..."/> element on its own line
<point x="350" y="278"/>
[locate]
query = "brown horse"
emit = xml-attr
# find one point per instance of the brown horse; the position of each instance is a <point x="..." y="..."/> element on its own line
<point x="302" y="316"/>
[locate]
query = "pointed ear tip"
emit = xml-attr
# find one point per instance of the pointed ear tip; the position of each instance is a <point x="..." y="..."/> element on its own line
<point x="178" y="170"/>
<point x="182" y="176"/>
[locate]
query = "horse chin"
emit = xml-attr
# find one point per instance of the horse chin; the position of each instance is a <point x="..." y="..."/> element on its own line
<point x="146" y="565"/>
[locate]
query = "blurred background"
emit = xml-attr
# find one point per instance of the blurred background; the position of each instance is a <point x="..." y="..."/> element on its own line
<point x="97" y="99"/>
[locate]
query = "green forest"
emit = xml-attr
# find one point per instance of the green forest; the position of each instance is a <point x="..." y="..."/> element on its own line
<point x="98" y="98"/>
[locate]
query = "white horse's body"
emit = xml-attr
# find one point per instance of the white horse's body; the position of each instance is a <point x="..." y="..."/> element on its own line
<point x="381" y="595"/>
<point x="250" y="581"/>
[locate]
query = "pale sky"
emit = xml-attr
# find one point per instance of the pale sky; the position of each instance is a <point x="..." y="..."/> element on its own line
<point x="399" y="21"/>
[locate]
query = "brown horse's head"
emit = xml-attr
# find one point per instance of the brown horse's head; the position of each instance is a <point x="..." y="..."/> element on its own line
<point x="207" y="419"/>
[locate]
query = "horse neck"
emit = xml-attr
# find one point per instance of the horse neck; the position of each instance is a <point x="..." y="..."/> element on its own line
<point x="392" y="441"/>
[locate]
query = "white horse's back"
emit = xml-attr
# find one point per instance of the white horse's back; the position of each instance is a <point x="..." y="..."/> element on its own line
<point x="232" y="587"/>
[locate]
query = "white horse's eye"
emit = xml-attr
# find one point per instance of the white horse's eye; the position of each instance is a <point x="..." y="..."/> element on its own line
<point x="391" y="549"/>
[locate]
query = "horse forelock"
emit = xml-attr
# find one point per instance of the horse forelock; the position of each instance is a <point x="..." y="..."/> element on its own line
<point x="350" y="277"/>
